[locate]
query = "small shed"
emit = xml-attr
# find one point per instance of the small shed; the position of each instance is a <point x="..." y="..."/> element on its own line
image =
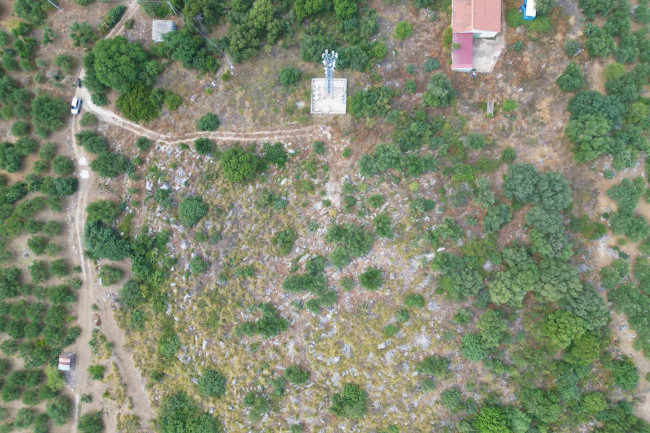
<point x="66" y="361"/>
<point x="160" y="27"/>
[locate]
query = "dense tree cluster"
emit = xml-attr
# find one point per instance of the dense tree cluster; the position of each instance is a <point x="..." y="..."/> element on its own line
<point x="189" y="49"/>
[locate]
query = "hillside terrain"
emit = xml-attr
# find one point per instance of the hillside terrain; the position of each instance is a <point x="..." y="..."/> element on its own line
<point x="219" y="259"/>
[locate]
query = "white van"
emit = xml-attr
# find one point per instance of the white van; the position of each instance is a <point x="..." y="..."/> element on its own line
<point x="75" y="106"/>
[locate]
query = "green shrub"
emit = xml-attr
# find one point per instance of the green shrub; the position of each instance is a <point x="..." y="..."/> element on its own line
<point x="212" y="384"/>
<point x="62" y="165"/>
<point x="140" y="103"/>
<point x="113" y="16"/>
<point x="24" y="418"/>
<point x="204" y="146"/>
<point x="403" y="30"/>
<point x="625" y="373"/>
<point x="390" y="330"/>
<point x="462" y="317"/>
<point x="411" y="86"/>
<point x="346" y="284"/>
<point x="319" y="148"/>
<point x="508" y="155"/>
<point x="191" y="210"/>
<point x="38" y="244"/>
<point x="91" y="422"/>
<point x="284" y="241"/>
<point x="571" y="80"/>
<point x="110" y="275"/>
<point x="430" y="65"/>
<point x="208" y="122"/>
<point x="180" y="414"/>
<point x="19" y="128"/>
<point x="472" y="348"/>
<point x="351" y="403"/>
<point x="106" y="211"/>
<point x="371" y="278"/>
<point x="414" y="300"/>
<point x="47" y="114"/>
<point x="99" y="99"/>
<point x="376" y="101"/>
<point x="110" y="165"/>
<point x="475" y="141"/>
<point x="239" y="165"/>
<point x="427" y="384"/>
<point x="143" y="143"/>
<point x="437" y="366"/>
<point x="39" y="271"/>
<point x="275" y="154"/>
<point x="168" y="343"/>
<point x="258" y="404"/>
<point x="198" y="266"/>
<point x="172" y="101"/>
<point x="376" y="201"/>
<point x="439" y="92"/>
<point x="452" y="399"/>
<point x="96" y="372"/>
<point x="402" y="315"/>
<point x="584" y="350"/>
<point x="296" y="375"/>
<point x="91" y="141"/>
<point x="289" y="76"/>
<point x="571" y="47"/>
<point x="269" y="325"/>
<point x="514" y="18"/>
<point x="59" y="268"/>
<point x="492" y="326"/>
<point x="539" y="25"/>
<point x="382" y="226"/>
<point x="350" y="241"/>
<point x="163" y="197"/>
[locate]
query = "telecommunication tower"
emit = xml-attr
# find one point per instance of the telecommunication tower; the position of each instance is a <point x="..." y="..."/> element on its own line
<point x="329" y="60"/>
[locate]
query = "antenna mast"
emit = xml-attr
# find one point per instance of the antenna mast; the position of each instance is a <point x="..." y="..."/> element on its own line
<point x="329" y="60"/>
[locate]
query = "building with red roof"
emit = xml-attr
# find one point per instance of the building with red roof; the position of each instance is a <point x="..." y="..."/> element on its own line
<point x="472" y="19"/>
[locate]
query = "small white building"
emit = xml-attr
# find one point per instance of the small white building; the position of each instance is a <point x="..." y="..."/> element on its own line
<point x="160" y="27"/>
<point x="66" y="361"/>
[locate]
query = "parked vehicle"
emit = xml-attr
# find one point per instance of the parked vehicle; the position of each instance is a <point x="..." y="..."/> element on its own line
<point x="75" y="106"/>
<point x="79" y="82"/>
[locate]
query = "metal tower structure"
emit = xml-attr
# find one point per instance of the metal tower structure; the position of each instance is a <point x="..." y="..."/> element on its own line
<point x="329" y="60"/>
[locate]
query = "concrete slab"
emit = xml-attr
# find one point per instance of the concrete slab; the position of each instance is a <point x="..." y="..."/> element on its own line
<point x="321" y="103"/>
<point x="486" y="53"/>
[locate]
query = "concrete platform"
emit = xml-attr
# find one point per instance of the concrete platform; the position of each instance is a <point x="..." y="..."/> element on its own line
<point x="487" y="52"/>
<point x="322" y="104"/>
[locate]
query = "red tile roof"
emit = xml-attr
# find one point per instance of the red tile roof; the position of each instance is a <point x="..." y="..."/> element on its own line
<point x="476" y="15"/>
<point x="461" y="57"/>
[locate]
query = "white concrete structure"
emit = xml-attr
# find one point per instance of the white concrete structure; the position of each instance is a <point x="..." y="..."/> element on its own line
<point x="321" y="103"/>
<point x="160" y="27"/>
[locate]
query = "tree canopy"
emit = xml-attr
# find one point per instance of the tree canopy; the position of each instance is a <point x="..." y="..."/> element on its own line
<point x="121" y="65"/>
